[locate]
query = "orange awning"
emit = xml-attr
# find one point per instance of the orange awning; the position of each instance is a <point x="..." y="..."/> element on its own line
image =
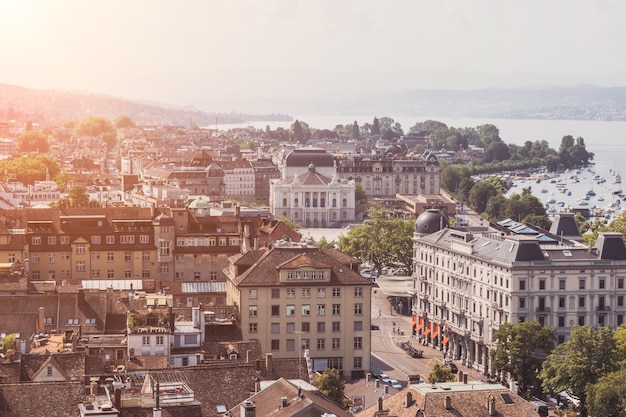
<point x="419" y="327"/>
<point x="414" y="320"/>
<point x="427" y="332"/>
<point x="435" y="331"/>
<point x="445" y="340"/>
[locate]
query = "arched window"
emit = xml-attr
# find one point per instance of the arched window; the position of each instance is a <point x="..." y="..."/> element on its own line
<point x="284" y="202"/>
<point x="295" y="202"/>
<point x="344" y="203"/>
<point x="334" y="202"/>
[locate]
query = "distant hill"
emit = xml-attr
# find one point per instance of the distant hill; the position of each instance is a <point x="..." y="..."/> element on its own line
<point x="55" y="106"/>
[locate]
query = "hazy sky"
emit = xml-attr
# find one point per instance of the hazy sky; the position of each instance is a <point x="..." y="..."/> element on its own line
<point x="183" y="51"/>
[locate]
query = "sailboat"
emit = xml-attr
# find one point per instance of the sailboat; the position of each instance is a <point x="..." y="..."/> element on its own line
<point x="617" y="179"/>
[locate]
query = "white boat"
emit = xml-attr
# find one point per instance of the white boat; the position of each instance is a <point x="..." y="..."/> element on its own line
<point x="601" y="198"/>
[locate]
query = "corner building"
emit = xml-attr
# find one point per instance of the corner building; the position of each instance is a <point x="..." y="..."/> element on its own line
<point x="469" y="282"/>
<point x="298" y="299"/>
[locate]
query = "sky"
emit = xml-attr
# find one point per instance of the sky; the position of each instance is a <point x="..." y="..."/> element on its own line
<point x="203" y="52"/>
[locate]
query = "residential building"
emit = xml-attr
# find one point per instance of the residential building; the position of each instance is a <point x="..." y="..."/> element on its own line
<point x="293" y="299"/>
<point x="469" y="282"/>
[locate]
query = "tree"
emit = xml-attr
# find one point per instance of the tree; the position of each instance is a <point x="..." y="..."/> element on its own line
<point x="293" y="225"/>
<point x="359" y="192"/>
<point x="520" y="351"/>
<point x="480" y="194"/>
<point x="440" y="373"/>
<point x="332" y="386"/>
<point x="375" y="127"/>
<point x="32" y="141"/>
<point x="386" y="242"/>
<point x="580" y="362"/>
<point x="77" y="197"/>
<point x="607" y="397"/>
<point x="323" y="243"/>
<point x="30" y="168"/>
<point x="124" y="121"/>
<point x="98" y="127"/>
<point x="298" y="134"/>
<point x="356" y="132"/>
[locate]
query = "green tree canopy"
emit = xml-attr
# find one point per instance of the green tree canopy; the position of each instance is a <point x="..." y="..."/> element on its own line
<point x="520" y="351"/>
<point x="30" y="168"/>
<point x="607" y="397"/>
<point x="332" y="386"/>
<point x="124" y="121"/>
<point x="440" y="373"/>
<point x="77" y="197"/>
<point x="33" y="141"/>
<point x="580" y="362"/>
<point x="386" y="242"/>
<point x="99" y="127"/>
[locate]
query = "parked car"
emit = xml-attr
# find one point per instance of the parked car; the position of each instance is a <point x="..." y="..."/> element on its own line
<point x="395" y="384"/>
<point x="452" y="367"/>
<point x="374" y="327"/>
<point x="385" y="378"/>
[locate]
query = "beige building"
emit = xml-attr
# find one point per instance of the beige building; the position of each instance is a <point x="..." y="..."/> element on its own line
<point x="469" y="282"/>
<point x="297" y="299"/>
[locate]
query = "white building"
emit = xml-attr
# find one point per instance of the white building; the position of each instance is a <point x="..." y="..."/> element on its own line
<point x="468" y="282"/>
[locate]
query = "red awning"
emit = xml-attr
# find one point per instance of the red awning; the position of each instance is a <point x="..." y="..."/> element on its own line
<point x="435" y="331"/>
<point x="445" y="340"/>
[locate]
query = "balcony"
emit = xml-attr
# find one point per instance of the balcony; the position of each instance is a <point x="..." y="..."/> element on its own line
<point x="542" y="310"/>
<point x="496" y="306"/>
<point x="603" y="308"/>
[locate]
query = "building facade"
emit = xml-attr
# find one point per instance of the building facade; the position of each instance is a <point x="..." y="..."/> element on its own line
<point x="294" y="299"/>
<point x="467" y="283"/>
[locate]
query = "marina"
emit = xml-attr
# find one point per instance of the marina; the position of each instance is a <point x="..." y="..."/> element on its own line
<point x="583" y="190"/>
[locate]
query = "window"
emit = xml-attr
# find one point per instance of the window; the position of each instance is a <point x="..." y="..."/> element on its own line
<point x="620" y="301"/>
<point x="145" y="273"/>
<point x="275" y="310"/>
<point x="36" y="240"/>
<point x="358" y="343"/>
<point x="95" y="273"/>
<point x="128" y="256"/>
<point x="51" y="258"/>
<point x="336" y="309"/>
<point x="321" y="309"/>
<point x="306" y="344"/>
<point x="358" y="326"/>
<point x="291" y="345"/>
<point x="34" y="258"/>
<point x="335" y="343"/>
<point x="561" y="321"/>
<point x="164" y="248"/>
<point x="52" y="240"/>
<point x="581" y="320"/>
<point x="95" y="256"/>
<point x="561" y="284"/>
<point x="581" y="301"/>
<point x="80" y="249"/>
<point x="291" y="328"/>
<point x="110" y="273"/>
<point x="306" y="310"/>
<point x="601" y="284"/>
<point x="275" y="327"/>
<point x="358" y="309"/>
<point x="291" y="310"/>
<point x="110" y="257"/>
<point x="321" y="344"/>
<point x="620" y="283"/>
<point x="522" y="285"/>
<point x="275" y="293"/>
<point x="80" y="266"/>
<point x="321" y="293"/>
<point x="65" y="240"/>
<point x="73" y="322"/>
<point x="275" y="345"/>
<point x="561" y="302"/>
<point x="542" y="284"/>
<point x="306" y="293"/>
<point x="95" y="240"/>
<point x="306" y="327"/>
<point x="252" y="327"/>
<point x="49" y="370"/>
<point x="522" y="302"/>
<point x="581" y="284"/>
<point x="110" y="240"/>
<point x="47" y="320"/>
<point x="521" y="319"/>
<point x="144" y="239"/>
<point x="321" y="327"/>
<point x="160" y="340"/>
<point x="620" y="319"/>
<point x="127" y="239"/>
<point x="145" y="256"/>
<point x="358" y="362"/>
<point x="358" y="292"/>
<point x="253" y="294"/>
<point x="12" y="257"/>
<point x="253" y="311"/>
<point x="291" y="293"/>
<point x="336" y="326"/>
<point x="128" y="273"/>
<point x="336" y="292"/>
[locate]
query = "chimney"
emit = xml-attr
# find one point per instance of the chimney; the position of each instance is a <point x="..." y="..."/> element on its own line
<point x="42" y="316"/>
<point x="460" y="376"/>
<point x="447" y="403"/>
<point x="257" y="384"/>
<point x="172" y="320"/>
<point x="195" y="314"/>
<point x="268" y="363"/>
<point x="156" y="412"/>
<point x="248" y="409"/>
<point x="380" y="403"/>
<point x="491" y="405"/>
<point x="109" y="299"/>
<point x="118" y="398"/>
<point x="409" y="399"/>
<point x="283" y="402"/>
<point x="465" y="378"/>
